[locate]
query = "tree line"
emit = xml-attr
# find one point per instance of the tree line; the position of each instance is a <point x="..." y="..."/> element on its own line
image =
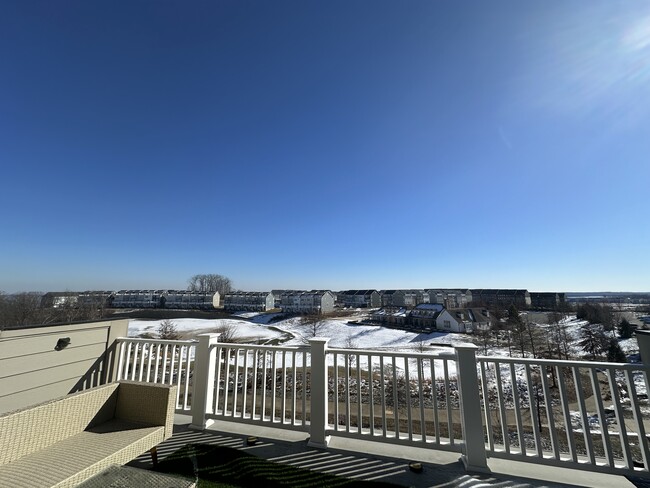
<point x="598" y="338"/>
<point x="27" y="308"/>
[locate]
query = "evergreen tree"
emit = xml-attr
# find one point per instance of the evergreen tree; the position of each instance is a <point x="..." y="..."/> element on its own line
<point x="624" y="329"/>
<point x="614" y="352"/>
<point x="593" y="340"/>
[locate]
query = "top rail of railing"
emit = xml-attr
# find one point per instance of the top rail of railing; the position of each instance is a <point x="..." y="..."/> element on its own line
<point x="260" y="347"/>
<point x="566" y="363"/>
<point x="445" y="354"/>
<point x="138" y="340"/>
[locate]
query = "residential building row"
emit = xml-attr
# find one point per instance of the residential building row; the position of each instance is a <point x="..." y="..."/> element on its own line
<point x="289" y="301"/>
<point x="313" y="301"/>
<point x="172" y="299"/>
<point x="431" y="317"/>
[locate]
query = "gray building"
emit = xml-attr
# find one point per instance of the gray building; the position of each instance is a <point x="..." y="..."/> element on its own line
<point x="248" y="301"/>
<point x="547" y="300"/>
<point x="57" y="299"/>
<point x="449" y="297"/>
<point x="185" y="299"/>
<point x="138" y="299"/>
<point x="307" y="302"/>
<point x="403" y="298"/>
<point x="359" y="298"/>
<point x="502" y="299"/>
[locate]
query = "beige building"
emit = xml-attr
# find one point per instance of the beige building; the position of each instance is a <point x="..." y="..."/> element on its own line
<point x="70" y="358"/>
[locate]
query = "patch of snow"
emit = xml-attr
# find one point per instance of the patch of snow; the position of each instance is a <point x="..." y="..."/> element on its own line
<point x="243" y="330"/>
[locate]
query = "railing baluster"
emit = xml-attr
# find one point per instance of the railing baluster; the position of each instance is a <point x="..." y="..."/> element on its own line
<point x="226" y="384"/>
<point x="304" y="386"/>
<point x="335" y="393"/>
<point x="245" y="385"/>
<point x="395" y="400"/>
<point x="371" y="399"/>
<point x="141" y="372"/>
<point x="284" y="387"/>
<point x="407" y="382"/>
<point x="165" y="355"/>
<point x="548" y="402"/>
<point x="486" y="407"/>
<point x="256" y="362"/>
<point x="128" y="362"/>
<point x="359" y="412"/>
<point x="382" y="393"/>
<point x="157" y="367"/>
<point x="602" y="418"/>
<point x="533" y="410"/>
<point x="218" y="379"/>
<point x="187" y="376"/>
<point x="434" y="396"/>
<point x="423" y="428"/>
<point x="149" y="358"/>
<point x="274" y="384"/>
<point x="566" y="413"/>
<point x="179" y="375"/>
<point x="516" y="398"/>
<point x="505" y="432"/>
<point x="263" y="389"/>
<point x="620" y="419"/>
<point x="450" y="419"/>
<point x="293" y="388"/>
<point x="235" y="382"/>
<point x="347" y="393"/>
<point x="638" y="418"/>
<point x="584" y="416"/>
<point x="173" y="364"/>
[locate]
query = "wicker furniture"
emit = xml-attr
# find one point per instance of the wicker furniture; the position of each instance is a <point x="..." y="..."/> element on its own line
<point x="66" y="441"/>
<point x="127" y="477"/>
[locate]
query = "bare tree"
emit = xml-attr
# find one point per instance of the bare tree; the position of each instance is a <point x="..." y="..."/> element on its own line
<point x="210" y="283"/>
<point x="350" y="343"/>
<point x="3" y="310"/>
<point x="227" y="333"/>
<point x="22" y="309"/>
<point x="558" y="339"/>
<point x="167" y="330"/>
<point x="484" y="338"/>
<point x="313" y="324"/>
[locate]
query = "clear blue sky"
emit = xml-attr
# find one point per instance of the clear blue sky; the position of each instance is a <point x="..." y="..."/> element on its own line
<point x="333" y="144"/>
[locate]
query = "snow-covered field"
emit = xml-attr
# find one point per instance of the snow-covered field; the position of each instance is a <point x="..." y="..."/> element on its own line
<point x="189" y="328"/>
<point x="255" y="328"/>
<point x="292" y="332"/>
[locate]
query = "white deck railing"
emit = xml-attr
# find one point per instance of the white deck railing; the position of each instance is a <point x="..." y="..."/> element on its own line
<point x="583" y="415"/>
<point x="395" y="397"/>
<point x="159" y="361"/>
<point x="554" y="412"/>
<point x="263" y="384"/>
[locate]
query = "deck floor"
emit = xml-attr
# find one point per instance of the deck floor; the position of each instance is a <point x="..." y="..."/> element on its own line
<point x="378" y="461"/>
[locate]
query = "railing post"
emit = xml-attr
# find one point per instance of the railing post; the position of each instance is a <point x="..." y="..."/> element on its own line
<point x="319" y="396"/>
<point x="643" y="339"/>
<point x="205" y="361"/>
<point x="474" y="456"/>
